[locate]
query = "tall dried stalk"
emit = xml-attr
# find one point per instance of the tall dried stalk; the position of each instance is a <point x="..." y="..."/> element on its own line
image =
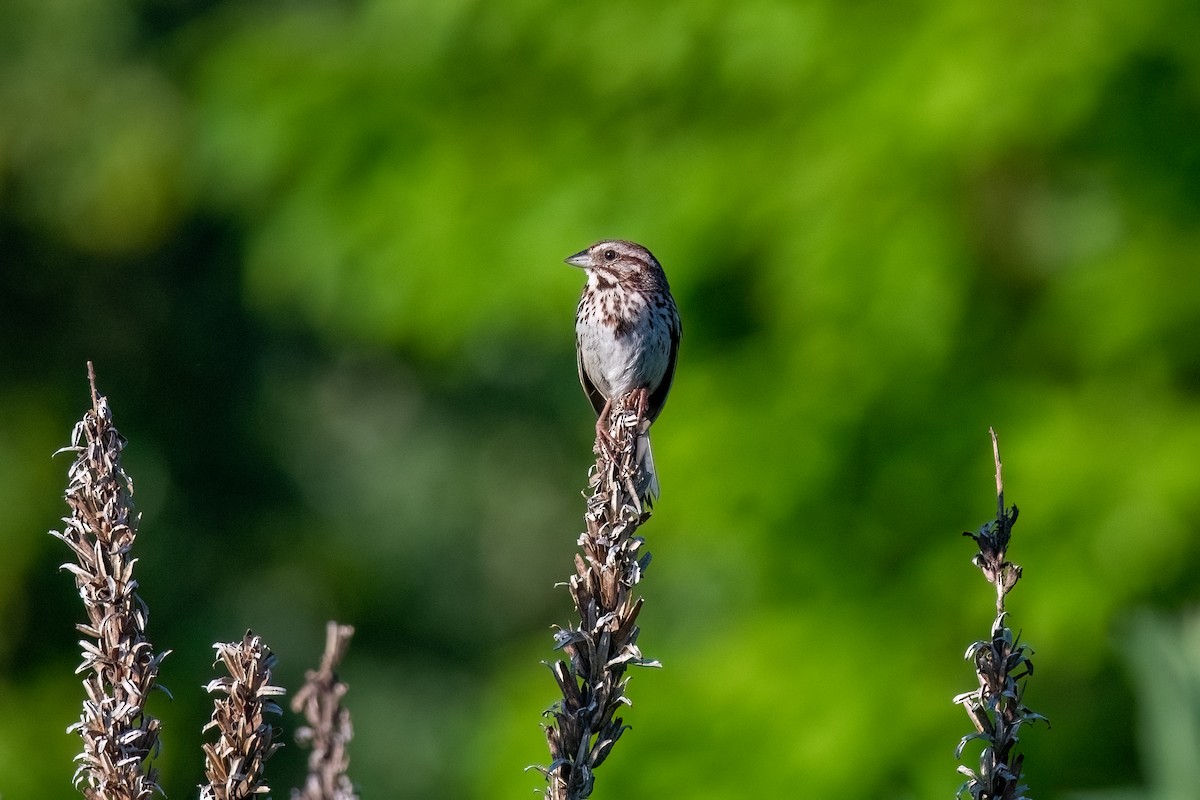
<point x="584" y="724"/>
<point x="1002" y="664"/>
<point x="119" y="737"/>
<point x="234" y="763"/>
<point x="329" y="730"/>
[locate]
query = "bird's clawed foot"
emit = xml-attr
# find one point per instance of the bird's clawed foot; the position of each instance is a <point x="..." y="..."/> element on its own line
<point x="604" y="440"/>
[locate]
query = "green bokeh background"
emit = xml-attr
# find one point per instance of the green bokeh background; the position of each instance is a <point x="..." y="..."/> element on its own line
<point x="314" y="249"/>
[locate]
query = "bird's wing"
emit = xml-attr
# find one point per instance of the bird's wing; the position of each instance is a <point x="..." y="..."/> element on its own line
<point x="658" y="397"/>
<point x="589" y="388"/>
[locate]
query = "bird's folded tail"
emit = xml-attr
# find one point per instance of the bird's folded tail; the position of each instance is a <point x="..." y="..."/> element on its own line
<point x="644" y="457"/>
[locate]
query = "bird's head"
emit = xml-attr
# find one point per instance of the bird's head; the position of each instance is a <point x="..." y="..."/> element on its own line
<point x="618" y="261"/>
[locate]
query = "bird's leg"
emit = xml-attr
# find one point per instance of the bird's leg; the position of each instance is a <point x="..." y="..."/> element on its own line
<point x="608" y="445"/>
<point x="643" y="400"/>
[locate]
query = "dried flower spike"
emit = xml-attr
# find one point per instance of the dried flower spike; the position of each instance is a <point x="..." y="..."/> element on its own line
<point x="584" y="724"/>
<point x="120" y="666"/>
<point x="329" y="730"/>
<point x="234" y="763"/>
<point x="1002" y="664"/>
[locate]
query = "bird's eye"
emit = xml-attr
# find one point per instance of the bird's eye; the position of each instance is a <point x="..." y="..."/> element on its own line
<point x="610" y="255"/>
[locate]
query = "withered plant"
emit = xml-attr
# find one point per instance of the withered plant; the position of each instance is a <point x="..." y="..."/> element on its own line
<point x="234" y="763"/>
<point x="328" y="731"/>
<point x="1002" y="665"/>
<point x="119" y="664"/>
<point x="120" y="667"/>
<point x="584" y="724"/>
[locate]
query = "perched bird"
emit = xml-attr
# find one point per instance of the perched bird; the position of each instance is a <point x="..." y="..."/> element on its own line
<point x="627" y="334"/>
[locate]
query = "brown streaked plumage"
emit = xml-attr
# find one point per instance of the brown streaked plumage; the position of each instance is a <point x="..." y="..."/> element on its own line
<point x="627" y="332"/>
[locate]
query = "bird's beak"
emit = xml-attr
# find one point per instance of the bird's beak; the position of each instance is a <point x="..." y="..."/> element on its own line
<point x="580" y="259"/>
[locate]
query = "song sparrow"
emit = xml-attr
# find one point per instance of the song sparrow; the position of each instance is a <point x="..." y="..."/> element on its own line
<point x="627" y="333"/>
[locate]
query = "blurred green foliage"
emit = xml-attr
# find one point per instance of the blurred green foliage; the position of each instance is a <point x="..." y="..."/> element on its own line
<point x="1163" y="657"/>
<point x="314" y="250"/>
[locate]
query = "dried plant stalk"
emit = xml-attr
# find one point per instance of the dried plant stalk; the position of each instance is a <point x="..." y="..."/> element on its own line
<point x="584" y="724"/>
<point x="234" y="763"/>
<point x="1001" y="665"/>
<point x="119" y="737"/>
<point x="329" y="730"/>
